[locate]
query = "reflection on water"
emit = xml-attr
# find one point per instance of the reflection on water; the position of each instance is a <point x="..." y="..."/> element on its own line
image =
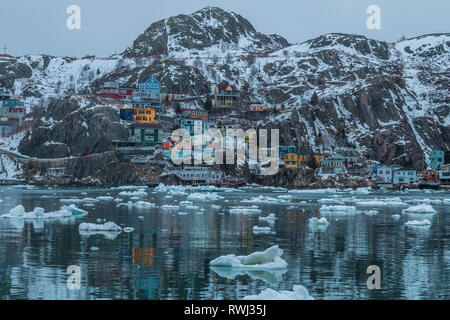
<point x="167" y="256"/>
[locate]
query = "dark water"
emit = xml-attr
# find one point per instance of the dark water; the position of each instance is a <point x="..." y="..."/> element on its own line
<point x="167" y="256"/>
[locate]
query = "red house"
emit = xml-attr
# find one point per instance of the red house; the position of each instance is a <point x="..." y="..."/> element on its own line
<point x="112" y="89"/>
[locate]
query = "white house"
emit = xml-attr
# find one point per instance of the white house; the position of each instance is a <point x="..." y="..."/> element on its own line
<point x="403" y="175"/>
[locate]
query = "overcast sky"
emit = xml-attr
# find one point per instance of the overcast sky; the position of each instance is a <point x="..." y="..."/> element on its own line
<point x="109" y="26"/>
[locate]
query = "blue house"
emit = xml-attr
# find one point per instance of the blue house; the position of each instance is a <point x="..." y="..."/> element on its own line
<point x="148" y="94"/>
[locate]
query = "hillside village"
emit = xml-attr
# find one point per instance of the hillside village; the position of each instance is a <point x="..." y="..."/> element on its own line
<point x="334" y="142"/>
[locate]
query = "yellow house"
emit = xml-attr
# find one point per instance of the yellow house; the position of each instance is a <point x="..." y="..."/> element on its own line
<point x="225" y="96"/>
<point x="144" y="115"/>
<point x="290" y="160"/>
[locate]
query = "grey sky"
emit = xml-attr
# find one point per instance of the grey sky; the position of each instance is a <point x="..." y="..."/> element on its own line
<point x="109" y="26"/>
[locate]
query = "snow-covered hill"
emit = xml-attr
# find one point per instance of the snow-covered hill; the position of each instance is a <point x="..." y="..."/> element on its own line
<point x="388" y="100"/>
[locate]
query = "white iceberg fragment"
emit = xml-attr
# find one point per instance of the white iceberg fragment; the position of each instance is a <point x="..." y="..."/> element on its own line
<point x="143" y="205"/>
<point x="421" y="208"/>
<point x="137" y="193"/>
<point x="396" y="216"/>
<point x="338" y="209"/>
<point x="372" y="212"/>
<point x="316" y="221"/>
<point x="270" y="218"/>
<point x="299" y="292"/>
<point x="19" y="212"/>
<point x="105" y="198"/>
<point x="74" y="210"/>
<point x="261" y="230"/>
<point x="128" y="229"/>
<point x="169" y="207"/>
<point x="207" y="196"/>
<point x="268" y="259"/>
<point x="107" y="226"/>
<point x="245" y="210"/>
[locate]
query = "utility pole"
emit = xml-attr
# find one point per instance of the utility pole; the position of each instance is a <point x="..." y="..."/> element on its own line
<point x="4" y="48"/>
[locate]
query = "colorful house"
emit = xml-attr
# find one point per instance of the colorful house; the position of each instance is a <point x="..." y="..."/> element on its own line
<point x="225" y="96"/>
<point x="304" y="157"/>
<point x="437" y="159"/>
<point x="144" y="115"/>
<point x="290" y="160"/>
<point x="148" y="94"/>
<point x="113" y="90"/>
<point x="194" y="113"/>
<point x="145" y="133"/>
<point x="444" y="174"/>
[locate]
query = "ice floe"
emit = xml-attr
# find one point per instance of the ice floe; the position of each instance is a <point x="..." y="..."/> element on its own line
<point x="338" y="209"/>
<point x="74" y="210"/>
<point x="169" y="207"/>
<point x="105" y="198"/>
<point x="421" y="208"/>
<point x="107" y="226"/>
<point x="207" y="196"/>
<point x="143" y="205"/>
<point x="245" y="210"/>
<point x="316" y="221"/>
<point x="371" y="212"/>
<point x="138" y="193"/>
<point x="128" y="229"/>
<point x="19" y="212"/>
<point x="268" y="276"/>
<point x="264" y="199"/>
<point x="299" y="292"/>
<point x="396" y="216"/>
<point x="261" y="230"/>
<point x="268" y="259"/>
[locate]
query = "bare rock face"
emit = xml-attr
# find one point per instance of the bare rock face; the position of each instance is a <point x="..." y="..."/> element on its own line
<point x="73" y="126"/>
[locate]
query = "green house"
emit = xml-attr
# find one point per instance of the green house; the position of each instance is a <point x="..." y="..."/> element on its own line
<point x="148" y="134"/>
<point x="437" y="159"/>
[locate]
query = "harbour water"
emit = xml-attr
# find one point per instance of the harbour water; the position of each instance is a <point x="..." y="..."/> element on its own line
<point x="167" y="255"/>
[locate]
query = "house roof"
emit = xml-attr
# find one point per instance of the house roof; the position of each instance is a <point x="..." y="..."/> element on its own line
<point x="224" y="86"/>
<point x="146" y="125"/>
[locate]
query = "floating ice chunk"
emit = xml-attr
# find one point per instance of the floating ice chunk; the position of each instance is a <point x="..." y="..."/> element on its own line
<point x="169" y="207"/>
<point x="363" y="190"/>
<point x="268" y="259"/>
<point x="105" y="198"/>
<point x="94" y="248"/>
<point x="446" y="201"/>
<point x="138" y="193"/>
<point x="421" y="208"/>
<point x="143" y="205"/>
<point x="270" y="218"/>
<point x="185" y="203"/>
<point x="245" y="210"/>
<point x="84" y="200"/>
<point x="128" y="229"/>
<point x="285" y="196"/>
<point x="299" y="292"/>
<point x="418" y="223"/>
<point x="215" y="207"/>
<point x="331" y="200"/>
<point x="321" y="221"/>
<point x="263" y="199"/>
<point x="427" y="201"/>
<point x="372" y="212"/>
<point x="37" y="213"/>
<point x="329" y="190"/>
<point x="107" y="226"/>
<point x="74" y="210"/>
<point x="181" y="213"/>
<point x="207" y="196"/>
<point x="338" y="209"/>
<point x="396" y="201"/>
<point x="192" y="207"/>
<point x="261" y="230"/>
<point x="118" y="200"/>
<point x="396" y="216"/>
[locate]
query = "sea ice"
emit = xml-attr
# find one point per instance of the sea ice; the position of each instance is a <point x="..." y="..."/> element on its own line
<point x="261" y="230"/>
<point x="245" y="210"/>
<point x="268" y="259"/>
<point x="37" y="213"/>
<point x="338" y="209"/>
<point x="107" y="226"/>
<point x="270" y="218"/>
<point x="143" y="205"/>
<point x="421" y="208"/>
<point x="321" y="221"/>
<point x="207" y="196"/>
<point x="128" y="229"/>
